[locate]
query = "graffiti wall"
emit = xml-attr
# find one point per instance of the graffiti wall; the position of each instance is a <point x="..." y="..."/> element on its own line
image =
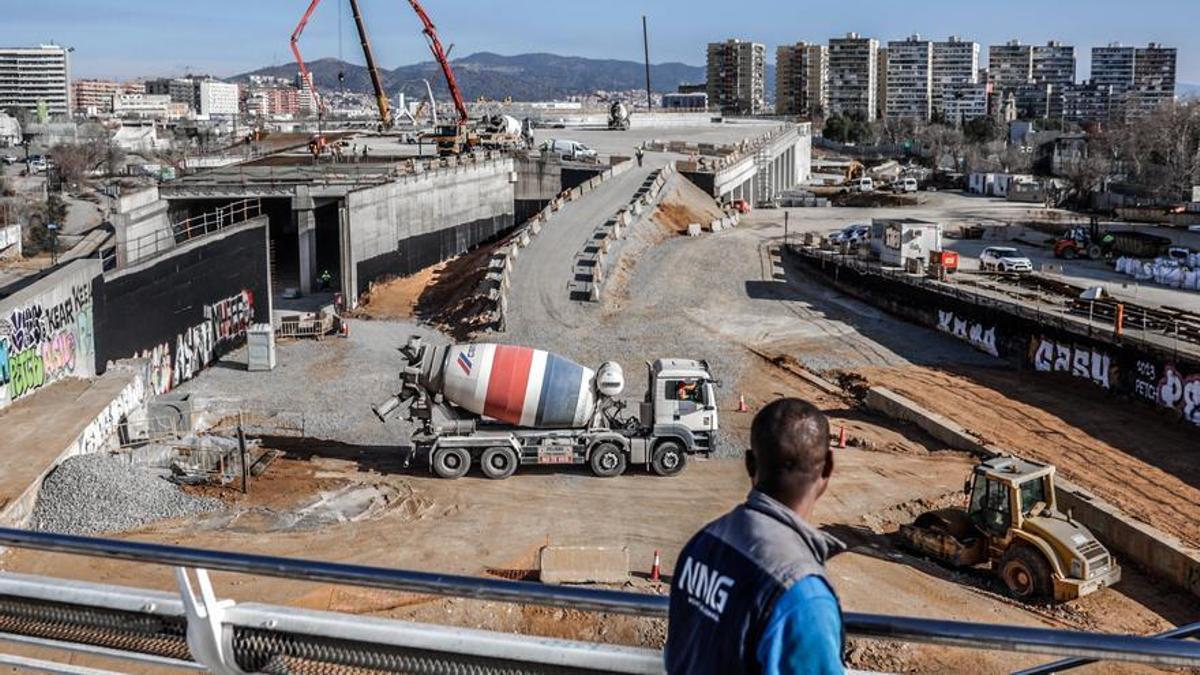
<point x="47" y="331"/>
<point x="183" y="312"/>
<point x="1164" y="380"/>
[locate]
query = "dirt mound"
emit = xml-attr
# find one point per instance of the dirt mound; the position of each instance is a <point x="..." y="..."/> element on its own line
<point x="873" y="199"/>
<point x="684" y="204"/>
<point x="442" y="295"/>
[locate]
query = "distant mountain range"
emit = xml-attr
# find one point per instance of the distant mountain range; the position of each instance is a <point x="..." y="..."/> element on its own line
<point x="524" y="77"/>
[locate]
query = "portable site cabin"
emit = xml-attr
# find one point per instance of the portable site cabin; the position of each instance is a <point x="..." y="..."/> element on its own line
<point x="899" y="240"/>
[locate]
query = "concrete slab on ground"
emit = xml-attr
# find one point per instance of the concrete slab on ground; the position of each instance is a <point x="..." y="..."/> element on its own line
<point x="584" y="565"/>
<point x="42" y="430"/>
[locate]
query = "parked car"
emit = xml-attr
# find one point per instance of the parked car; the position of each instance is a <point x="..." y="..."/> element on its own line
<point x="8" y="159"/>
<point x="1005" y="259"/>
<point x="863" y="184"/>
<point x="571" y="150"/>
<point x="851" y="234"/>
<point x="905" y="185"/>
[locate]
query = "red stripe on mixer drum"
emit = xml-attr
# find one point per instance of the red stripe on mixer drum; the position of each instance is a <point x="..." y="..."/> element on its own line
<point x="506" y="385"/>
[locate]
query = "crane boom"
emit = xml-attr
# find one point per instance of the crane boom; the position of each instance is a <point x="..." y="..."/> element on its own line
<point x="304" y="72"/>
<point x="439" y="54"/>
<point x="381" y="97"/>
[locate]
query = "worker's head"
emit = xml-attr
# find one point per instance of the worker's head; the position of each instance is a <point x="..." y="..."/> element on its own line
<point x="790" y="458"/>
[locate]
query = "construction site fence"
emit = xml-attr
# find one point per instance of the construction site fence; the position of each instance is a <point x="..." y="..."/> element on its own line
<point x="1142" y="326"/>
<point x="160" y="242"/>
<point x="194" y="629"/>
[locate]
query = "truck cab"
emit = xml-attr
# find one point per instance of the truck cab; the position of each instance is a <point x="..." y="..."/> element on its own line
<point x="681" y="403"/>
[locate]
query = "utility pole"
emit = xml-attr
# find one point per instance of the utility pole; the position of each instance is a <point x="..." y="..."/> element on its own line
<point x="646" y="47"/>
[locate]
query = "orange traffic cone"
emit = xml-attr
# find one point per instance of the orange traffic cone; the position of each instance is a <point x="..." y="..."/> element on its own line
<point x="842" y="436"/>
<point x="742" y="404"/>
<point x="345" y="332"/>
<point x="656" y="571"/>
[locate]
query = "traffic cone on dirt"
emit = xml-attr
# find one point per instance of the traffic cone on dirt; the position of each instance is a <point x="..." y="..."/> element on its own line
<point x="842" y="437"/>
<point x="656" y="569"/>
<point x="742" y="404"/>
<point x="345" y="332"/>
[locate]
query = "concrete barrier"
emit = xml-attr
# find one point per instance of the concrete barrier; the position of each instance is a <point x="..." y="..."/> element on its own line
<point x="584" y="565"/>
<point x="1164" y="555"/>
<point x="693" y="230"/>
<point x="715" y="226"/>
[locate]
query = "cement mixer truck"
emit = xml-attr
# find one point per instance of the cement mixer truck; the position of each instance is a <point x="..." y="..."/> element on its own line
<point x="618" y="116"/>
<point x="499" y="407"/>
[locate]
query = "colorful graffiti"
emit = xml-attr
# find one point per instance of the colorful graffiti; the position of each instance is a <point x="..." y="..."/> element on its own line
<point x="100" y="432"/>
<point x="1180" y="393"/>
<point x="1048" y="356"/>
<point x="44" y="341"/>
<point x="980" y="337"/>
<point x="173" y="363"/>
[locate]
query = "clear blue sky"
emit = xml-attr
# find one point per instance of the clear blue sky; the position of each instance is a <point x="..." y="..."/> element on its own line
<point x="128" y="38"/>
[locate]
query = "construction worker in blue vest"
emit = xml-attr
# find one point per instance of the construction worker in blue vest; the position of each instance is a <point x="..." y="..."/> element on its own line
<point x="749" y="594"/>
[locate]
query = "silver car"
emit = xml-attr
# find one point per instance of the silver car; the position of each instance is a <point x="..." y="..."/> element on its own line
<point x="1004" y="259"/>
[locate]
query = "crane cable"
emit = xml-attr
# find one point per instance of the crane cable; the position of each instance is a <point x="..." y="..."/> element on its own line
<point x="341" y="53"/>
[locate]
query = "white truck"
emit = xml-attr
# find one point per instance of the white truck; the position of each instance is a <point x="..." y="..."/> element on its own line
<point x="499" y="407"/>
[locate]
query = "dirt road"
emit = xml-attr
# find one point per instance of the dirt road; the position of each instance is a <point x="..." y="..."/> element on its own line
<point x="1142" y="462"/>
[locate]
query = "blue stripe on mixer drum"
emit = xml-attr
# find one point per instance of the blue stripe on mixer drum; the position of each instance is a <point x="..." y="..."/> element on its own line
<point x="560" y="392"/>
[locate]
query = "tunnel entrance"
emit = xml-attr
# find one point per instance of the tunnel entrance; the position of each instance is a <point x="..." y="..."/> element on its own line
<point x="286" y="248"/>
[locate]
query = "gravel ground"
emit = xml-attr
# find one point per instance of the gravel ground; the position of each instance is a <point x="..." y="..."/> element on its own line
<point x="331" y="384"/>
<point x="91" y="494"/>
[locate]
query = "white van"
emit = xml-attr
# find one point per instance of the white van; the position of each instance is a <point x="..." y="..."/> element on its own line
<point x="571" y="150"/>
<point x="863" y="184"/>
<point x="906" y="185"/>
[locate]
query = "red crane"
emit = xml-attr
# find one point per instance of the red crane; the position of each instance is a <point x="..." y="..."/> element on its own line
<point x="439" y="54"/>
<point x="304" y="74"/>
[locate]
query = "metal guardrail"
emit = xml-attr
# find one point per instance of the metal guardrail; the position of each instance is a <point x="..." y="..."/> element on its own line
<point x="1076" y="644"/>
<point x="160" y="242"/>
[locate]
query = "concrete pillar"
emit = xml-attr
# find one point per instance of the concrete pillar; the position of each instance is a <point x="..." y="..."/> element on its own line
<point x="304" y="214"/>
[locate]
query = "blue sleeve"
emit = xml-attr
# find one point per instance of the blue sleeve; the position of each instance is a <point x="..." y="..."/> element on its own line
<point x="804" y="633"/>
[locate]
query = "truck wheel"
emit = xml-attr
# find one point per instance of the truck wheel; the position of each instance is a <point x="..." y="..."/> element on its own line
<point x="1070" y="253"/>
<point x="607" y="460"/>
<point x="498" y="463"/>
<point x="669" y="459"/>
<point x="1026" y="573"/>
<point x="1095" y="252"/>
<point x="451" y="463"/>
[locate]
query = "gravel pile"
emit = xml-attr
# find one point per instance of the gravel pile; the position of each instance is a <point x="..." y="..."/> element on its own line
<point x="90" y="494"/>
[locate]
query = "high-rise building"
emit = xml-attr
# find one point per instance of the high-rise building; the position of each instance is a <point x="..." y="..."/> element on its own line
<point x="217" y="98"/>
<point x="1054" y="64"/>
<point x="964" y="101"/>
<point x="801" y="71"/>
<point x="909" y="76"/>
<point x="955" y="62"/>
<point x="35" y="76"/>
<point x="1010" y="65"/>
<point x="737" y="72"/>
<point x="1154" y="77"/>
<point x="1088" y="102"/>
<point x="93" y="97"/>
<point x="853" y="75"/>
<point x="881" y="82"/>
<point x="1113" y="66"/>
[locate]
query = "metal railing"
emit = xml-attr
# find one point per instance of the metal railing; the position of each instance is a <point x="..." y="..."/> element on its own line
<point x="159" y="242"/>
<point x="1079" y="645"/>
<point x="1171" y="337"/>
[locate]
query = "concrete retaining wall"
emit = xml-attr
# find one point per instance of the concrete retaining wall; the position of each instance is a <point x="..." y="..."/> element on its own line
<point x="47" y="331"/>
<point x="1160" y="553"/>
<point x="419" y="220"/>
